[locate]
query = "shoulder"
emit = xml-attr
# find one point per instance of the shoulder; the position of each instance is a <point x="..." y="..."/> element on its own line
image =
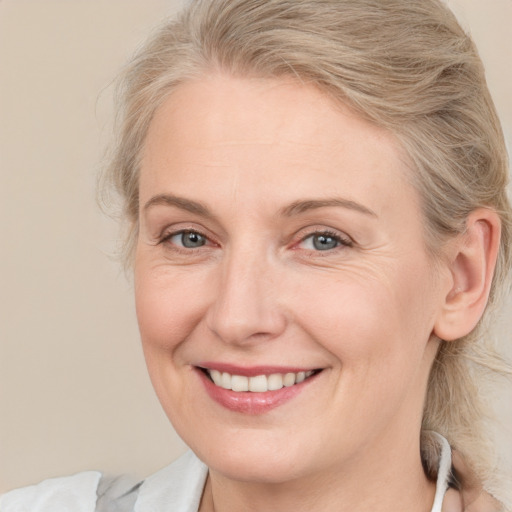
<point x="177" y="487"/>
<point x="77" y="492"/>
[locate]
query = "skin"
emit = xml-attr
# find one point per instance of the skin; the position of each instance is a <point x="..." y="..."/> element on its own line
<point x="258" y="292"/>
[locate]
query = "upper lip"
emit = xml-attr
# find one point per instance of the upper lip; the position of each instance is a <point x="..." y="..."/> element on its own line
<point x="252" y="371"/>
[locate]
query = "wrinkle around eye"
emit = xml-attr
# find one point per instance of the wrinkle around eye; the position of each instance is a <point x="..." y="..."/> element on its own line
<point x="156" y="244"/>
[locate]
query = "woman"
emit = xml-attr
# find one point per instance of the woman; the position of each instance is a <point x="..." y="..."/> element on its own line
<point x="319" y="231"/>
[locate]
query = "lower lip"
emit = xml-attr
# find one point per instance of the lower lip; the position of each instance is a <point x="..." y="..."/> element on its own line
<point x="248" y="402"/>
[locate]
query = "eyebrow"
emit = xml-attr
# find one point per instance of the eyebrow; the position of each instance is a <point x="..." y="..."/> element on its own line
<point x="179" y="202"/>
<point x="295" y="208"/>
<point x="301" y="206"/>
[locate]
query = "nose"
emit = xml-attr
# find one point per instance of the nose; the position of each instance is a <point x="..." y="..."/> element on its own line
<point x="246" y="307"/>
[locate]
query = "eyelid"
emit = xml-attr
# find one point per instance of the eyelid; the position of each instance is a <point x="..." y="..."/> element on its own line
<point x="344" y="239"/>
<point x="169" y="232"/>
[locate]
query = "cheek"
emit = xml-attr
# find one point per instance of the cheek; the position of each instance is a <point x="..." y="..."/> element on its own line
<point x="169" y="306"/>
<point x="364" y="318"/>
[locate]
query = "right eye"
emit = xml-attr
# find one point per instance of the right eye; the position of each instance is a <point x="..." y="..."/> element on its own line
<point x="187" y="239"/>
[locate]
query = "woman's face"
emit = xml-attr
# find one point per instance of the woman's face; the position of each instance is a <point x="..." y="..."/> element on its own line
<point x="281" y="249"/>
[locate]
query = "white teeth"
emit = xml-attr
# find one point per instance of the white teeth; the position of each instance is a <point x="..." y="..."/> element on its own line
<point x="216" y="377"/>
<point x="274" y="382"/>
<point x="240" y="383"/>
<point x="289" y="379"/>
<point x="225" y="381"/>
<point x="258" y="383"/>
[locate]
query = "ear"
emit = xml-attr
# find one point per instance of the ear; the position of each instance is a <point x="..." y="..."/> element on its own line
<point x="471" y="262"/>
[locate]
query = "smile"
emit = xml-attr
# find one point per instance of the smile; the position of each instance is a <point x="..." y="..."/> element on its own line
<point x="257" y="392"/>
<point x="257" y="383"/>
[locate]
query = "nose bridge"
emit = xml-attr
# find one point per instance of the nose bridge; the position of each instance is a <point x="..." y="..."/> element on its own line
<point x="245" y="307"/>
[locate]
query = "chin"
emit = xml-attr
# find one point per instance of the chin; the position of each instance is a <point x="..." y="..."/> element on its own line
<point x="256" y="467"/>
<point x="253" y="455"/>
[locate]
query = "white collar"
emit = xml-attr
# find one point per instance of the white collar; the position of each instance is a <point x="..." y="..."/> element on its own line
<point x="176" y="488"/>
<point x="443" y="473"/>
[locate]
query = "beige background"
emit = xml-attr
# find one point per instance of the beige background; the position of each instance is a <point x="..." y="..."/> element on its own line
<point x="73" y="389"/>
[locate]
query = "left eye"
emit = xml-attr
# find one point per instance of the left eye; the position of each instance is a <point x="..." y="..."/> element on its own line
<point x="188" y="239"/>
<point x="322" y="242"/>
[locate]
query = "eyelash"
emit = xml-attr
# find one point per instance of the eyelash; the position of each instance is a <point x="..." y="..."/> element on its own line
<point x="165" y="240"/>
<point x="342" y="241"/>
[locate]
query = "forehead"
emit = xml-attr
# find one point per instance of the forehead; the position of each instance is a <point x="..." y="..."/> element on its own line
<point x="275" y="136"/>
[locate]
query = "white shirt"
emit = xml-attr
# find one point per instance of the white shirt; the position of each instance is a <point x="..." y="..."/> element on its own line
<point x="176" y="488"/>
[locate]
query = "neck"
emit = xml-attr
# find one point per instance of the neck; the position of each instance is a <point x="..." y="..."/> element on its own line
<point x="379" y="482"/>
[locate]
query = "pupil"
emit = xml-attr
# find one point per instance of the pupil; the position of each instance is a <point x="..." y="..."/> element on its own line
<point x="192" y="240"/>
<point x="324" y="242"/>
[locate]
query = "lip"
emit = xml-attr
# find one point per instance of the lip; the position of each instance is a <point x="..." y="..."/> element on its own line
<point x="248" y="402"/>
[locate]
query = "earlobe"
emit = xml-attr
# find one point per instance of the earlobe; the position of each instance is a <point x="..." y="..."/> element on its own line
<point x="471" y="266"/>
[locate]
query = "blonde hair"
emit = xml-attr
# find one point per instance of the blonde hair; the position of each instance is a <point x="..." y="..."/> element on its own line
<point x="405" y="65"/>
